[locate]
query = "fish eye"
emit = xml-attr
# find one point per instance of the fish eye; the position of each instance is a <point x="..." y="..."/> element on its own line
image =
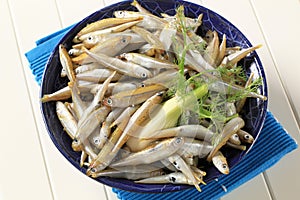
<point x="121" y="13"/>
<point x="96" y="141"/>
<point x="143" y="85"/>
<point x="178" y="140"/>
<point x="236" y="136"/>
<point x="124" y="40"/>
<point x="109" y="101"/>
<point x="93" y="170"/>
<point x="247" y="137"/>
<point x="75" y="140"/>
<point x="71" y="52"/>
<point x="172" y="179"/>
<point x="90" y="38"/>
<point x="224" y="166"/>
<point x="144" y="75"/>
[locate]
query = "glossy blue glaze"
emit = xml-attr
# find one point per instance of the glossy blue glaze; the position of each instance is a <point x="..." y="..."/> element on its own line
<point x="254" y="112"/>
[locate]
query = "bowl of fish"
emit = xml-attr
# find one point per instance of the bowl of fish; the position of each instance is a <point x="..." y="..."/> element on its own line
<point x="154" y="96"/>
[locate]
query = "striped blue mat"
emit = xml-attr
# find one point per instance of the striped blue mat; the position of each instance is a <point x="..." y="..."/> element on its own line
<point x="273" y="143"/>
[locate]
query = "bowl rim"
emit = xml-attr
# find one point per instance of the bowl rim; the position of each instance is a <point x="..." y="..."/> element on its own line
<point x="112" y="182"/>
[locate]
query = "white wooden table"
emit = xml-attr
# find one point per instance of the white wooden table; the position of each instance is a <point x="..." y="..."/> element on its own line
<point x="32" y="168"/>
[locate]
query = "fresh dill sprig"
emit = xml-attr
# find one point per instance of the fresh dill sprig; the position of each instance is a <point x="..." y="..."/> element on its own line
<point x="234" y="75"/>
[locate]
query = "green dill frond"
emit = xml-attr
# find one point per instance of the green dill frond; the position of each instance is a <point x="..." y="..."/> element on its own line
<point x="252" y="88"/>
<point x="235" y="75"/>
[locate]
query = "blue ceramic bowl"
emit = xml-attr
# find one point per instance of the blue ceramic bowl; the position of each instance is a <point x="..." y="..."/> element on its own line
<point x="254" y="112"/>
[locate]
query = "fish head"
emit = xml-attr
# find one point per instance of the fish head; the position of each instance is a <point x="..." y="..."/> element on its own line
<point x="128" y="56"/>
<point x="77" y="145"/>
<point x="91" y="40"/>
<point x="120" y="14"/>
<point x="125" y="39"/>
<point x="94" y="169"/>
<point x="143" y="73"/>
<point x="124" y="14"/>
<point x="220" y="163"/>
<point x="119" y="42"/>
<point x="235" y="139"/>
<point x="248" y="138"/>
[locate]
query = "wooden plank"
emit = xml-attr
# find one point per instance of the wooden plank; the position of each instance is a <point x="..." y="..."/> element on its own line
<point x="22" y="169"/>
<point x="74" y="11"/>
<point x="281" y="30"/>
<point x="283" y="45"/>
<point x="39" y="22"/>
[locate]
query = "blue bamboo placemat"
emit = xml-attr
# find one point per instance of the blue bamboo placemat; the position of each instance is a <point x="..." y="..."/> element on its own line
<point x="273" y="142"/>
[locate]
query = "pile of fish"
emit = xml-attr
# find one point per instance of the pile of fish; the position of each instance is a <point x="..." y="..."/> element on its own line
<point x="122" y="71"/>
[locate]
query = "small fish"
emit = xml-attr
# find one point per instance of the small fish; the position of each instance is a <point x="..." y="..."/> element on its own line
<point x="105" y="130"/>
<point x="78" y="105"/>
<point x="229" y="129"/>
<point x="235" y="139"/>
<point x="141" y="9"/>
<point x="148" y="62"/>
<point x="75" y="52"/>
<point x="66" y="62"/>
<point x="195" y="147"/>
<point x="192" y="23"/>
<point x="66" y="118"/>
<point x="167" y="34"/>
<point x="212" y="49"/>
<point x="87" y="126"/>
<point x="150" y="21"/>
<point x="166" y="78"/>
<point x="96" y="39"/>
<point x="141" y="115"/>
<point x="150" y="38"/>
<point x="181" y="165"/>
<point x="109" y="47"/>
<point x="238" y="147"/>
<point x="153" y="153"/>
<point x="237" y="56"/>
<point x="102" y="24"/>
<point x="222" y="51"/>
<point x="87" y="67"/>
<point x="220" y="162"/>
<point x="106" y="156"/>
<point x="132" y="97"/>
<point x="62" y="94"/>
<point x="113" y="173"/>
<point x="192" y="130"/>
<point x="114" y="29"/>
<point x="117" y="87"/>
<point x="98" y="97"/>
<point x="98" y="75"/>
<point x="120" y="66"/>
<point x="174" y="178"/>
<point x="245" y="136"/>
